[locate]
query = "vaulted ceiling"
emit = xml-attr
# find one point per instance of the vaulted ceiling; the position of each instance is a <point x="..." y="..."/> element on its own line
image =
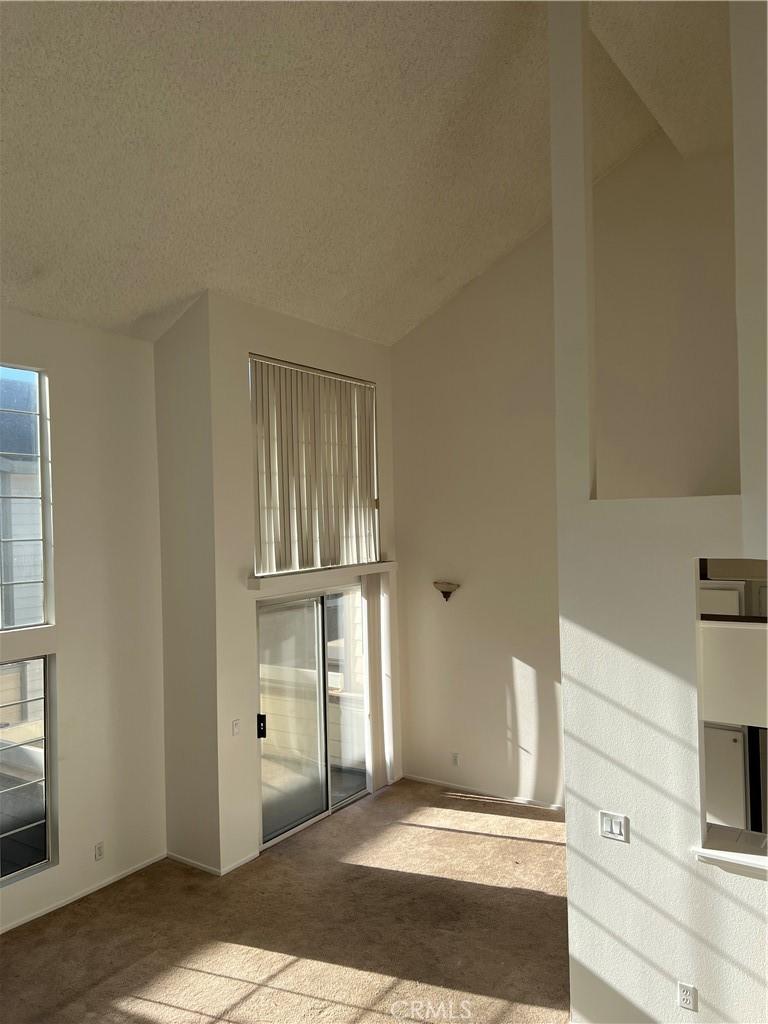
<point x="352" y="164"/>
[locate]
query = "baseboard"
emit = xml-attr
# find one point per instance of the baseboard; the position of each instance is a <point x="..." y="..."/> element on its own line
<point x="195" y="864"/>
<point x="471" y="789"/>
<point x="239" y="863"/>
<point x="83" y="893"/>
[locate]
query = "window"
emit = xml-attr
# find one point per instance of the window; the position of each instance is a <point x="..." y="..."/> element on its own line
<point x="24" y="833"/>
<point x="315" y="468"/>
<point x="24" y="498"/>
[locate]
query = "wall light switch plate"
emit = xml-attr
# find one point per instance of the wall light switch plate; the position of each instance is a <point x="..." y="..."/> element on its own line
<point x="614" y="826"/>
<point x="687" y="996"/>
<point x="236" y="727"/>
<point x="98" y="851"/>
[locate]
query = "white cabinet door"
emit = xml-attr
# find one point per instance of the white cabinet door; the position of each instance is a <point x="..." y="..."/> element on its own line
<point x="724" y="767"/>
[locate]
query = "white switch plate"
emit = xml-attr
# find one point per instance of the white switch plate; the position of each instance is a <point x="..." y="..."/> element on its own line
<point x="687" y="996"/>
<point x="98" y="851"/>
<point x="236" y="727"/>
<point x="614" y="826"/>
<point x="455" y="760"/>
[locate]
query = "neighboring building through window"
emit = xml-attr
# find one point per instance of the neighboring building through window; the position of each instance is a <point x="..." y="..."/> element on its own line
<point x="315" y="468"/>
<point x="24" y="498"/>
<point x="24" y="839"/>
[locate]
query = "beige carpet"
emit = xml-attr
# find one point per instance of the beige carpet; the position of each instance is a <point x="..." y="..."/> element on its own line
<point x="414" y="904"/>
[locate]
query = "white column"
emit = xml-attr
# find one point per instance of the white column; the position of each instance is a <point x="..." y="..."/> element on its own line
<point x="748" y="86"/>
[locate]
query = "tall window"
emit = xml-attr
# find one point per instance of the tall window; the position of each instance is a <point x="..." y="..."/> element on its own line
<point x="24" y="497"/>
<point x="315" y="468"/>
<point x="25" y="542"/>
<point x="24" y="835"/>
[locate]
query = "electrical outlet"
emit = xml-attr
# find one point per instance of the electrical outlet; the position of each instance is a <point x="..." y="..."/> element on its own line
<point x="455" y="760"/>
<point x="687" y="996"/>
<point x="98" y="851"/>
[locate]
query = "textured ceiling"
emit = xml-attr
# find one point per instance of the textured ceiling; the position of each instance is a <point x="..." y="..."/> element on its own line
<point x="350" y="164"/>
<point x="677" y="57"/>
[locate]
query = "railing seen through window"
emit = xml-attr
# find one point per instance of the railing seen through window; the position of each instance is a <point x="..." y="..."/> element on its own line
<point x="24" y="831"/>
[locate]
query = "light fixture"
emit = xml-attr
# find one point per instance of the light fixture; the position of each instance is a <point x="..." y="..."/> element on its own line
<point x="445" y="588"/>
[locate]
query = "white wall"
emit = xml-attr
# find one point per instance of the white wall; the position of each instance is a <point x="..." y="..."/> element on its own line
<point x="646" y="914"/>
<point x="475" y="502"/>
<point x="182" y="373"/>
<point x="238" y="329"/>
<point x="108" y="632"/>
<point x="207" y="507"/>
<point x="475" y="456"/>
<point x="666" y="375"/>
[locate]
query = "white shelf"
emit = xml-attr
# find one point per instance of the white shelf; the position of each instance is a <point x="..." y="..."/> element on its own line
<point x="313" y="580"/>
<point x="735" y="847"/>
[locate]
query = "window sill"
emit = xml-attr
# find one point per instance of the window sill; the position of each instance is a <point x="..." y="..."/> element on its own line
<point x="24" y="642"/>
<point x="734" y="848"/>
<point x="312" y="580"/>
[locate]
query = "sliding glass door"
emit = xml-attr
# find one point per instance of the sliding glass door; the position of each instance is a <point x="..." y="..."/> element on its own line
<point x="312" y="665"/>
<point x="294" y="769"/>
<point x="346" y="676"/>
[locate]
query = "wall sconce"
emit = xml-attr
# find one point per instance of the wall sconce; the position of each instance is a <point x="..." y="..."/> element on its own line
<point x="445" y="588"/>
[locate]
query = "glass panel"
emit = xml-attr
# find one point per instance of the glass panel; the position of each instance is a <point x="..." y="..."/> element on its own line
<point x="21" y="723"/>
<point x="22" y="806"/>
<point x="21" y="519"/>
<point x="23" y="849"/>
<point x="25" y="763"/>
<point x="20" y="475"/>
<point x="19" y="433"/>
<point x="293" y="764"/>
<point x="21" y="680"/>
<point x="18" y="389"/>
<point x="22" y="604"/>
<point x="21" y="561"/>
<point x="345" y="654"/>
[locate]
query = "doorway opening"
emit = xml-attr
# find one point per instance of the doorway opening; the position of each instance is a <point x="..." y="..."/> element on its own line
<point x="313" y="721"/>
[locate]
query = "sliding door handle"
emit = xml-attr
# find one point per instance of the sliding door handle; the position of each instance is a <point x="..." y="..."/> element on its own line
<point x="261" y="727"/>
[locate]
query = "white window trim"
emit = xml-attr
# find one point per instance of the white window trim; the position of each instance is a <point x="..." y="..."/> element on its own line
<point x="26" y="643"/>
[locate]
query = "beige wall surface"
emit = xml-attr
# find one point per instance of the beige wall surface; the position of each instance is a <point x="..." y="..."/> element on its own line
<point x="475" y="500"/>
<point x="182" y="380"/>
<point x="666" y="374"/>
<point x="108" y="633"/>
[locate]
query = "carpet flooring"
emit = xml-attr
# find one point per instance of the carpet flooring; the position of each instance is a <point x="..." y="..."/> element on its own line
<point x="412" y="904"/>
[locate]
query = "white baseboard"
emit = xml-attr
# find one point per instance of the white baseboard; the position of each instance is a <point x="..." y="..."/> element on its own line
<point x="84" y="892"/>
<point x="194" y="863"/>
<point x="494" y="796"/>
<point x="239" y="863"/>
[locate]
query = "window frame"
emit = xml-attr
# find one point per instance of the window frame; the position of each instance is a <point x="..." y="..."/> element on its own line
<point x="46" y="501"/>
<point x="51" y="776"/>
<point x="254" y="357"/>
<point x="37" y="641"/>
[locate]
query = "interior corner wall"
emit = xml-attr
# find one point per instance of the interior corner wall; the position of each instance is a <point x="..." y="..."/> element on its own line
<point x="238" y="329"/>
<point x="108" y="632"/>
<point x="475" y="504"/>
<point x="666" y="367"/>
<point x="182" y="377"/>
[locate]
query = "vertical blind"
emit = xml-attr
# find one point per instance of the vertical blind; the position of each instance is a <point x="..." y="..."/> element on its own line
<point x="315" y="469"/>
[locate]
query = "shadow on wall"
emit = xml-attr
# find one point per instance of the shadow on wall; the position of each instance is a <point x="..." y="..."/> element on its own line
<point x="632" y="738"/>
<point x="606" y="1005"/>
